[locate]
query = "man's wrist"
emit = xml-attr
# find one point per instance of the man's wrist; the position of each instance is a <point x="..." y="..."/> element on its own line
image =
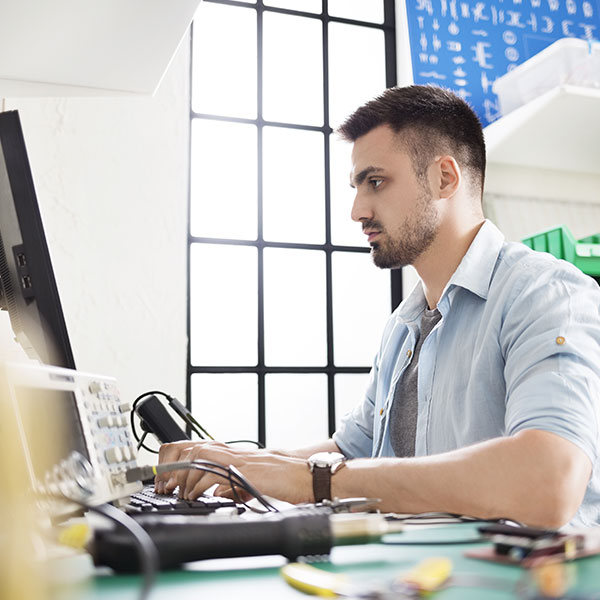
<point x="323" y="466"/>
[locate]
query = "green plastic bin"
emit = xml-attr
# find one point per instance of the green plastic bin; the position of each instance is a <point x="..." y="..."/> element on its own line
<point x="559" y="241"/>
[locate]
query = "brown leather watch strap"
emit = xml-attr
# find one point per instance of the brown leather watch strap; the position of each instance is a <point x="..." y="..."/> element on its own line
<point x="322" y="483"/>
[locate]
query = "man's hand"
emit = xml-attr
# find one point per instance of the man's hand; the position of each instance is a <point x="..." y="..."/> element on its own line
<point x="284" y="477"/>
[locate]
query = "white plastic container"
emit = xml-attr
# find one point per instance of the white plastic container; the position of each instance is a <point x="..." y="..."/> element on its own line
<point x="568" y="61"/>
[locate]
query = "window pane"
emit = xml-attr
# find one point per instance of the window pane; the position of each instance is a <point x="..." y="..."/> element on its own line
<point x="223" y="180"/>
<point x="295" y="315"/>
<point x="361" y="305"/>
<point x="223" y="305"/>
<point x="294" y="188"/>
<point x="293" y="69"/>
<point x="226" y="404"/>
<point x="359" y="10"/>
<point x="349" y="391"/>
<point x="356" y="68"/>
<point x="312" y="6"/>
<point x="224" y="61"/>
<point x="344" y="231"/>
<point x="296" y="410"/>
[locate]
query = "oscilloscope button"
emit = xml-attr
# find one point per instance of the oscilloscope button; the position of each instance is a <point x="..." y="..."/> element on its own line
<point x="113" y="455"/>
<point x="95" y="387"/>
<point x="106" y="421"/>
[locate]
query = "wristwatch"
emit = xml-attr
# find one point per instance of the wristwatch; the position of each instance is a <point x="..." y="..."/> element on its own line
<point x="323" y="465"/>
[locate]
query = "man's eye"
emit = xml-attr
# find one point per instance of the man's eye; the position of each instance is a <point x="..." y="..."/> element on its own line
<point x="375" y="183"/>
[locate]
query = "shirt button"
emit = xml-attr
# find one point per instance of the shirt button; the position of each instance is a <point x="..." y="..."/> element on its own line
<point x="560" y="340"/>
<point x="380" y="411"/>
<point x="409" y="353"/>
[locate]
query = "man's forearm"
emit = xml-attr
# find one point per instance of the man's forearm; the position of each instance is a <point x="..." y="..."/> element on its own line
<point x="534" y="477"/>
<point x="328" y="446"/>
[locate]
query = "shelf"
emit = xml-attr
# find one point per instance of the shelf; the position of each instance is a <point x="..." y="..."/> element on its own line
<point x="89" y="48"/>
<point x="560" y="130"/>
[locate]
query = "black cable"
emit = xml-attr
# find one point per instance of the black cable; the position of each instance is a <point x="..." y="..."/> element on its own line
<point x="252" y="490"/>
<point x="459" y="518"/>
<point x="257" y="444"/>
<point x="147" y="550"/>
<point x="235" y="478"/>
<point x="448" y="518"/>
<point x="477" y="540"/>
<point x="141" y="443"/>
<point x="191" y="421"/>
<point x="148" y="554"/>
<point x="228" y="475"/>
<point x="183" y="413"/>
<point x="444" y="517"/>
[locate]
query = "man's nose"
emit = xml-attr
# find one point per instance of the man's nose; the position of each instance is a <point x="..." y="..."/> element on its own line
<point x="360" y="209"/>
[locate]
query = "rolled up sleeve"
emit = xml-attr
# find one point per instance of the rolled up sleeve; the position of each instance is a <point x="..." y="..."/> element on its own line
<point x="551" y="342"/>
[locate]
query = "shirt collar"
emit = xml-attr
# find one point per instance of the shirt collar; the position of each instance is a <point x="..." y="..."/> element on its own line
<point x="474" y="273"/>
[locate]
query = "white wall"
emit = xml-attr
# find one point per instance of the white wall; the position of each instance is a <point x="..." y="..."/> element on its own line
<point x="112" y="177"/>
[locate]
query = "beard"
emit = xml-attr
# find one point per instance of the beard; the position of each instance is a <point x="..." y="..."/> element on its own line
<point x="403" y="246"/>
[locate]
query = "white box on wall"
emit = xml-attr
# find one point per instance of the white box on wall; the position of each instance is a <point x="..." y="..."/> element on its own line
<point x="568" y="61"/>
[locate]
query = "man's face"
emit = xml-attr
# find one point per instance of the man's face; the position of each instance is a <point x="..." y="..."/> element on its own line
<point x="396" y="209"/>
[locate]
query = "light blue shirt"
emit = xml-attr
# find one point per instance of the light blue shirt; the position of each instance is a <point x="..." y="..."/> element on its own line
<point x="518" y="347"/>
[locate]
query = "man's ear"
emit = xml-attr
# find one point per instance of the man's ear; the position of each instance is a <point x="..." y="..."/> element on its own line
<point x="449" y="176"/>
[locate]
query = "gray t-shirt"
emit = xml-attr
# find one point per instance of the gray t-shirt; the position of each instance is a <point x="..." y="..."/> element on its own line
<point x="404" y="410"/>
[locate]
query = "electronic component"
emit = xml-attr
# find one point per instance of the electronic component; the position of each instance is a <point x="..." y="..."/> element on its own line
<point x="87" y="423"/>
<point x="518" y="543"/>
<point x="155" y="418"/>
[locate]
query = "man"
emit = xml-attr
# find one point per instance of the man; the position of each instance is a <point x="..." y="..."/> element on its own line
<point x="483" y="397"/>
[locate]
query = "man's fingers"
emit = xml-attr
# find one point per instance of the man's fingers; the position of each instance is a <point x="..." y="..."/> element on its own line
<point x="197" y="485"/>
<point x="193" y="482"/>
<point x="173" y="452"/>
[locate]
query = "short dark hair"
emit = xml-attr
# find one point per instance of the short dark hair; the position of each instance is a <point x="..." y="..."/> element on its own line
<point x="431" y="120"/>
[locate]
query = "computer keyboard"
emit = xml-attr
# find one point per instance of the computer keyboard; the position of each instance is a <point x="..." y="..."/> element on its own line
<point x="148" y="501"/>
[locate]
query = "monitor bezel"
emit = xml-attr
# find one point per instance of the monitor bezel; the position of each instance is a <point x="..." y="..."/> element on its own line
<point x="27" y="277"/>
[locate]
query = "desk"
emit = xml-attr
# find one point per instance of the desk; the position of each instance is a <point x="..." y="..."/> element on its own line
<point x="258" y="578"/>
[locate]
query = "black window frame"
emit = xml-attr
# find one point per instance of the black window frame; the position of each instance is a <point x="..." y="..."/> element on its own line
<point x="261" y="369"/>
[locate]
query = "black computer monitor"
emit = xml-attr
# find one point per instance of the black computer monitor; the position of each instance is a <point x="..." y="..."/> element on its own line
<point x="27" y="285"/>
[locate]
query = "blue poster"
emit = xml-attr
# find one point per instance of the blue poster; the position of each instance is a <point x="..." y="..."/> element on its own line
<point x="466" y="45"/>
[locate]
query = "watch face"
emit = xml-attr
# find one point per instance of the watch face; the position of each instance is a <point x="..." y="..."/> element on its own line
<point x="326" y="459"/>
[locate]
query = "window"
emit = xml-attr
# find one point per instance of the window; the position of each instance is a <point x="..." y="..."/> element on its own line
<point x="285" y="307"/>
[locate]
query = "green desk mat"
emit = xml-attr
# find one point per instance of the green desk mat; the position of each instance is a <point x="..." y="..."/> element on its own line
<point x="257" y="578"/>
